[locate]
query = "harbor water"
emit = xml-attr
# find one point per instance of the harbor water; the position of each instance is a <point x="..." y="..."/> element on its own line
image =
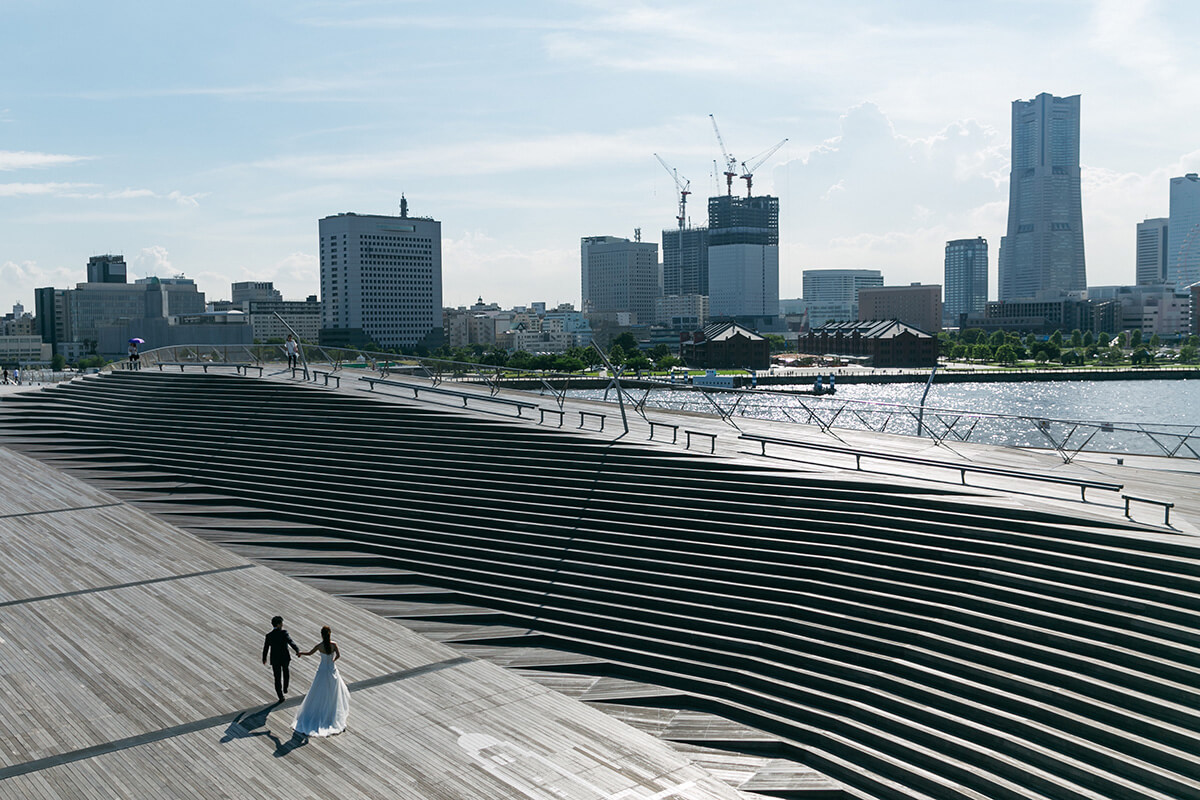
<point x="1158" y="417"/>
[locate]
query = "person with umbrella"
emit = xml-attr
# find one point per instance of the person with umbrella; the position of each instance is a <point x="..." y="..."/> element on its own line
<point x="134" y="358"/>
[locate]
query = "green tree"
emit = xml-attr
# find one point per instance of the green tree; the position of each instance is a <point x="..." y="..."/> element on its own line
<point x="616" y="354"/>
<point x="1187" y="354"/>
<point x="520" y="360"/>
<point x="660" y="351"/>
<point x="1140" y="356"/>
<point x="638" y="363"/>
<point x="58" y="362"/>
<point x="997" y="339"/>
<point x="495" y="357"/>
<point x="1069" y="357"/>
<point x="981" y="352"/>
<point x="668" y="362"/>
<point x="1041" y="354"/>
<point x="778" y="343"/>
<point x="1089" y="339"/>
<point x="627" y="341"/>
<point x="959" y="353"/>
<point x="970" y="336"/>
<point x="1056" y="338"/>
<point x="1135" y="338"/>
<point x="1077" y="338"/>
<point x="567" y="363"/>
<point x="1005" y="354"/>
<point x="1193" y="340"/>
<point x="1155" y="341"/>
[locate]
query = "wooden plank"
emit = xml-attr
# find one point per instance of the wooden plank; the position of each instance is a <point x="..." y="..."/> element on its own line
<point x="155" y="689"/>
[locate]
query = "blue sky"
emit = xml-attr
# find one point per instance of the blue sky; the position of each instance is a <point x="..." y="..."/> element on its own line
<point x="208" y="139"/>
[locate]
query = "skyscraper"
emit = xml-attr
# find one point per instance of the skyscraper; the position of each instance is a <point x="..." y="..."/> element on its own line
<point x="1043" y="248"/>
<point x="685" y="261"/>
<point x="743" y="256"/>
<point x="618" y="275"/>
<point x="381" y="279"/>
<point x="1152" y="251"/>
<point x="106" y="269"/>
<point x="966" y="278"/>
<point x="1183" y="236"/>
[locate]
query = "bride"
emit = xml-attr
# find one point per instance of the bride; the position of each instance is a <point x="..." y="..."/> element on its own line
<point x="324" y="710"/>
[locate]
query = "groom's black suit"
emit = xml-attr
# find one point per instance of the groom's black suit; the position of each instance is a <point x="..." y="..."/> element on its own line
<point x="277" y="644"/>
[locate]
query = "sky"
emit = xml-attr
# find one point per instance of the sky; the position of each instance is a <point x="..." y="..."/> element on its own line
<point x="207" y="139"/>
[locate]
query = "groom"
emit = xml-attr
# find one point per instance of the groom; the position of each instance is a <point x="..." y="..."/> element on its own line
<point x="277" y="644"/>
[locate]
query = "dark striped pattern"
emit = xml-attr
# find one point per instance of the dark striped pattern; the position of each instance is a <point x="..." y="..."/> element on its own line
<point x="913" y="643"/>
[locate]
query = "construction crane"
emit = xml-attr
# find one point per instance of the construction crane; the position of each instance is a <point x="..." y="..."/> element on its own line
<point x="748" y="171"/>
<point x="684" y="187"/>
<point x="730" y="161"/>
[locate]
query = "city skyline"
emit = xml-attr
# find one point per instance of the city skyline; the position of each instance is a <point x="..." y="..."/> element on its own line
<point x="211" y="154"/>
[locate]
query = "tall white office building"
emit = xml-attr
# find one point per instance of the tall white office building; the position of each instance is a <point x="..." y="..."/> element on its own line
<point x="743" y="256"/>
<point x="1183" y="234"/>
<point x="1152" y="251"/>
<point x="831" y="295"/>
<point x="619" y="276"/>
<point x="381" y="279"/>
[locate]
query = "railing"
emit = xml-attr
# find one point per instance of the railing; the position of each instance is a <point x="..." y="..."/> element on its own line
<point x="1083" y="484"/>
<point x="1067" y="438"/>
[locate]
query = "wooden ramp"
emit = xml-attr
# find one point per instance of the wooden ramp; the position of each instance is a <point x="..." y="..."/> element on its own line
<point x="131" y="669"/>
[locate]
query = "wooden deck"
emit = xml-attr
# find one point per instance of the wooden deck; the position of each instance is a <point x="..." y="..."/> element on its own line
<point x="131" y="669"/>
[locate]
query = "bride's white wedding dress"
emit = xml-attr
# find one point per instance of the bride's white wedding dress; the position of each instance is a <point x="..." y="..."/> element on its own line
<point x="325" y="707"/>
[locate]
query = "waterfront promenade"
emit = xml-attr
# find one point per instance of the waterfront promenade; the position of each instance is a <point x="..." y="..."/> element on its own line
<point x="131" y="669"/>
<point x="904" y="633"/>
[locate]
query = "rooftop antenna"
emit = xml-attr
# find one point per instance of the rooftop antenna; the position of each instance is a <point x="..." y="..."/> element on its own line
<point x="403" y="206"/>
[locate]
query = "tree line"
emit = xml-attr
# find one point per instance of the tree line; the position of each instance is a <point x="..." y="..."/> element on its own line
<point x="1073" y="349"/>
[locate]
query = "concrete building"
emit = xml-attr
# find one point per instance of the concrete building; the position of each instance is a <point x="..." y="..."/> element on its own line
<point x="1049" y="312"/>
<point x="381" y="279"/>
<point x="743" y="256"/>
<point x="965" y="278"/>
<point x="1153" y="308"/>
<point x="1183" y="236"/>
<point x="1152" y="251"/>
<point x="107" y="269"/>
<point x="243" y="292"/>
<point x="77" y="315"/>
<point x="218" y="328"/>
<point x="1043" y="248"/>
<point x="619" y="275"/>
<point x="20" y="350"/>
<point x="681" y="311"/>
<point x="831" y="295"/>
<point x="916" y="305"/>
<point x="685" y="261"/>
<point x="268" y="317"/>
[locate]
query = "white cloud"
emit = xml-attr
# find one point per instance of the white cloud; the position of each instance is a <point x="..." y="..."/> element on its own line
<point x="18" y="279"/>
<point x="23" y="159"/>
<point x="153" y="260"/>
<point x="28" y="189"/>
<point x="485" y="157"/>
<point x="476" y="265"/>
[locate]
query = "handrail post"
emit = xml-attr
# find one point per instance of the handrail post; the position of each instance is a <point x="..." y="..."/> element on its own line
<point x="616" y="381"/>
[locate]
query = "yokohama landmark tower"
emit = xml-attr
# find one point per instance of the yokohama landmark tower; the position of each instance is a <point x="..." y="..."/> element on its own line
<point x="1043" y="249"/>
